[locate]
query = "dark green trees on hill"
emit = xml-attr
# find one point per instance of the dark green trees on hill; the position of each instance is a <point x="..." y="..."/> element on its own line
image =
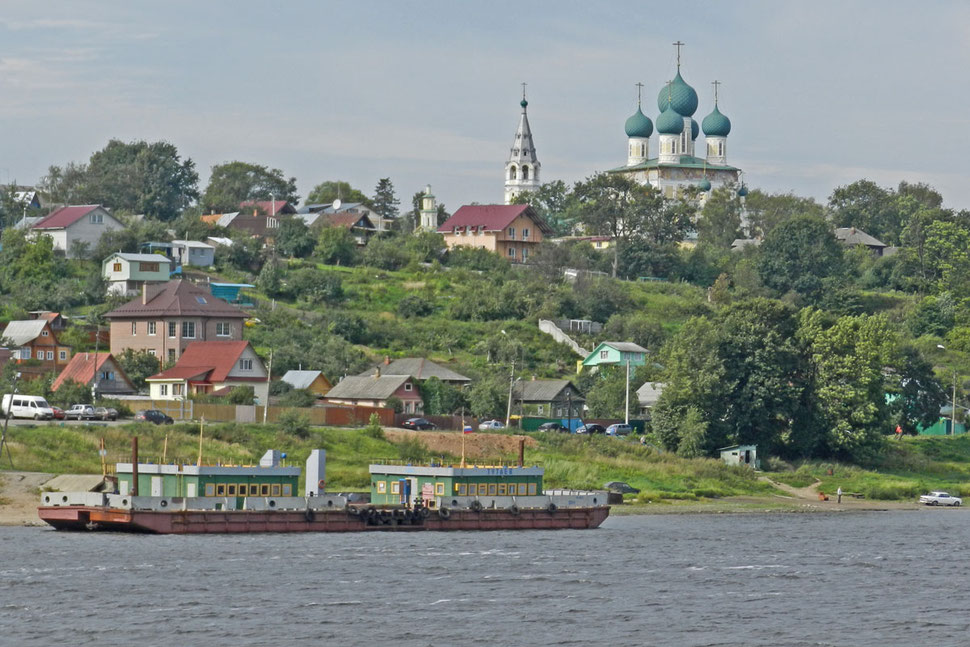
<point x="235" y="182"/>
<point x="798" y="255"/>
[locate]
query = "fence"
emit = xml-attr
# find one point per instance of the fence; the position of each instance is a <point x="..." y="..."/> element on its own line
<point x="331" y="415"/>
<point x="451" y="423"/>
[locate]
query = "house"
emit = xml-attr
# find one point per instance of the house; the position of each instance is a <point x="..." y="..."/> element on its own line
<point x="375" y="390"/>
<point x="647" y="396"/>
<point x="617" y="353"/>
<point x="218" y="219"/>
<point x="740" y="244"/>
<point x="549" y="398"/>
<point x="259" y="219"/>
<point x="359" y="224"/>
<point x="211" y="367"/>
<point x="167" y="317"/>
<point x="313" y="381"/>
<point x="852" y="237"/>
<point x="347" y="209"/>
<point x="57" y="322"/>
<point x="273" y="208"/>
<point x="192" y="252"/>
<point x="126" y="274"/>
<point x="76" y="225"/>
<point x="746" y="455"/>
<point x="34" y="339"/>
<point x="513" y="231"/>
<point x="420" y="369"/>
<point x="99" y="370"/>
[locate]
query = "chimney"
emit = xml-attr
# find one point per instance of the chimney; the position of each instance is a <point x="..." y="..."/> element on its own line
<point x="144" y="293"/>
<point x="533" y="378"/>
<point x="387" y="360"/>
<point x="377" y="372"/>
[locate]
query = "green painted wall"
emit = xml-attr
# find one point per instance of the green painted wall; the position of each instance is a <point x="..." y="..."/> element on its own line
<point x="452" y="486"/>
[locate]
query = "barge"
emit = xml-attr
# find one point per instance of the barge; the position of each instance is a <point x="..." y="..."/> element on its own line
<point x="197" y="499"/>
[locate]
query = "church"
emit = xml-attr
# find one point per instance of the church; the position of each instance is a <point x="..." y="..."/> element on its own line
<point x="676" y="165"/>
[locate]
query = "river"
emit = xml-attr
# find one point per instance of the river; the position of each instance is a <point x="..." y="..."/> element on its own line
<point x="879" y="578"/>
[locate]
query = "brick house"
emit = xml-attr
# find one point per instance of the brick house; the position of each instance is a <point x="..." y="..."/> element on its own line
<point x="211" y="367"/>
<point x="85" y="367"/>
<point x="375" y="390"/>
<point x="35" y="340"/>
<point x="84" y="224"/>
<point x="513" y="231"/>
<point x="167" y="317"/>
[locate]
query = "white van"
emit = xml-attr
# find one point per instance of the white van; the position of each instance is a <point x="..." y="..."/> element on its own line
<point x="26" y="406"/>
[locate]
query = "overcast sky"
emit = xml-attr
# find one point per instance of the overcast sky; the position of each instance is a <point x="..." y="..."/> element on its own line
<point x="819" y="93"/>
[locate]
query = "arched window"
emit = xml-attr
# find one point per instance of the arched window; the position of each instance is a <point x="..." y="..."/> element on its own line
<point x="525" y="172"/>
<point x="512" y="173"/>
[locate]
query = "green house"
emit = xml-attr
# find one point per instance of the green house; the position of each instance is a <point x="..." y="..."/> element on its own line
<point x="617" y="352"/>
<point x="392" y="484"/>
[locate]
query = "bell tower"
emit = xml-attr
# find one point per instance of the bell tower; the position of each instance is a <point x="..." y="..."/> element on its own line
<point x="522" y="168"/>
<point x="429" y="211"/>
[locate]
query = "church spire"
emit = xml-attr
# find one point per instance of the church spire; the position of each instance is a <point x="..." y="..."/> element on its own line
<point x="522" y="167"/>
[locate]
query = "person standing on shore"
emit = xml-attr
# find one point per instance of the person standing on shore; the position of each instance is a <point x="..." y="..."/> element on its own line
<point x="838" y="493"/>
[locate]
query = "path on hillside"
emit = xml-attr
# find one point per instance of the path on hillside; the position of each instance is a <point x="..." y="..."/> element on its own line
<point x="809" y="492"/>
<point x="808" y="496"/>
<point x="19" y="497"/>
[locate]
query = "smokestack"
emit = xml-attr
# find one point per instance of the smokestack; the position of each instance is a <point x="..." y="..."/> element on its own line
<point x="521" y="452"/>
<point x="134" y="465"/>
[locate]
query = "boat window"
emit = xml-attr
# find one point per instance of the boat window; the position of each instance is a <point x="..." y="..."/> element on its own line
<point x="491" y="489"/>
<point x="395" y="487"/>
<point x="231" y="489"/>
<point x="264" y="489"/>
<point x="472" y="489"/>
<point x="532" y="489"/>
<point x="462" y="489"/>
<point x="253" y="489"/>
<point x="243" y="489"/>
<point x="210" y="489"/>
<point x="522" y="489"/>
<point x="275" y="489"/>
<point x="502" y="489"/>
<point x="382" y="487"/>
<point x="439" y="489"/>
<point x="482" y="489"/>
<point x="221" y="489"/>
<point x="287" y="489"/>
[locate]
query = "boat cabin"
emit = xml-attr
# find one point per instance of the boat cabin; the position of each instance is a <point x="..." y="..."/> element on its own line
<point x="391" y="484"/>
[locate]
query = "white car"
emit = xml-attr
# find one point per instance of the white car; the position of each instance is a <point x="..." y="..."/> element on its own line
<point x="491" y="424"/>
<point x="940" y="498"/>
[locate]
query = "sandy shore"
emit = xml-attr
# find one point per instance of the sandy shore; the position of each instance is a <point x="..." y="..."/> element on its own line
<point x="19" y="496"/>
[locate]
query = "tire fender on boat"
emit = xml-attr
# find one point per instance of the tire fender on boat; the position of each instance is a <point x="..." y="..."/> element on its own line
<point x="476" y="505"/>
<point x="551" y="507"/>
<point x="514" y="509"/>
<point x="444" y="513"/>
<point x="309" y="514"/>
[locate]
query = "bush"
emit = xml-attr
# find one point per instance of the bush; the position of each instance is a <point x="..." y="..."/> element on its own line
<point x="374" y="429"/>
<point x="413" y="450"/>
<point x="296" y="423"/>
<point x="413" y="305"/>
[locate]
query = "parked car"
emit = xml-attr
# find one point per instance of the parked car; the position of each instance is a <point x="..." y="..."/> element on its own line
<point x="491" y="424"/>
<point x="26" y="406"/>
<point x="940" y="498"/>
<point x="80" y="412"/>
<point x="553" y="426"/>
<point x="153" y="415"/>
<point x="591" y="429"/>
<point x="621" y="487"/>
<point x="106" y="413"/>
<point x="619" y="429"/>
<point x="420" y="424"/>
<point x="58" y="412"/>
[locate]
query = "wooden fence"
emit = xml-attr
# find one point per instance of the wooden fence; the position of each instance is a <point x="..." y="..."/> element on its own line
<point x="330" y="415"/>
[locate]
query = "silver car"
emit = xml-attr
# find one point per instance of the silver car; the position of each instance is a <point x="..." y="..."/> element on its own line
<point x="940" y="498"/>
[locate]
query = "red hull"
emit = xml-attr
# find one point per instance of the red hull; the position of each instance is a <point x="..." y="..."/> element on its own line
<point x="257" y="521"/>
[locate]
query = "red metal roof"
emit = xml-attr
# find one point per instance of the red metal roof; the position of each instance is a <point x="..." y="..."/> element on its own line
<point x="65" y="216"/>
<point x="200" y="357"/>
<point x="83" y="366"/>
<point x="493" y="217"/>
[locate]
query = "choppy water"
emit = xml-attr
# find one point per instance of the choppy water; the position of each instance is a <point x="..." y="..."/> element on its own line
<point x="898" y="578"/>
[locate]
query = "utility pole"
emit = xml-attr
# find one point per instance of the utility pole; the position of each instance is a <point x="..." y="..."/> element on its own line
<point x="953" y="405"/>
<point x="6" y="421"/>
<point x="627" y="410"/>
<point x="269" y="376"/>
<point x="508" y="411"/>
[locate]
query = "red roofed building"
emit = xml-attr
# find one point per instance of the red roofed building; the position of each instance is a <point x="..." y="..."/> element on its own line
<point x="85" y="367"/>
<point x="75" y="224"/>
<point x="208" y="366"/>
<point x="168" y="317"/>
<point x="513" y="231"/>
<point x="268" y="207"/>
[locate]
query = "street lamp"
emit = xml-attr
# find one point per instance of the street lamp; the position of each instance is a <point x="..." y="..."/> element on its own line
<point x="953" y="402"/>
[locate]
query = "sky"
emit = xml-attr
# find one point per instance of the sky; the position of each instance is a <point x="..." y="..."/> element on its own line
<point x="820" y="94"/>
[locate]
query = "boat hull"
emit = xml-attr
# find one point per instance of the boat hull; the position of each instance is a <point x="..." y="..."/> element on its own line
<point x="264" y="521"/>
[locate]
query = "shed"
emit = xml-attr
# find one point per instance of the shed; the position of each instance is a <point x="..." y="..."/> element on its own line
<point x="313" y="381"/>
<point x="741" y="455"/>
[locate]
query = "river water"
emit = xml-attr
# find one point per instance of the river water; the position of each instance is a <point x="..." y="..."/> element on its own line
<point x="880" y="578"/>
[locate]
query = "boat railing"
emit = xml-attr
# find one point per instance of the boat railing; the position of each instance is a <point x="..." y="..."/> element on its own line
<point x="442" y="462"/>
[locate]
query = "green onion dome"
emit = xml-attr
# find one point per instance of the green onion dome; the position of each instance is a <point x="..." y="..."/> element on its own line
<point x="704" y="185"/>
<point x="743" y="191"/>
<point x="681" y="96"/>
<point x="716" y="124"/>
<point x="694" y="129"/>
<point x="670" y="122"/>
<point x="639" y="125"/>
<point x="523" y="103"/>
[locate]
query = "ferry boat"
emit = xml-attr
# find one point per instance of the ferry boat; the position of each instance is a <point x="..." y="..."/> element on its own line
<point x="198" y="499"/>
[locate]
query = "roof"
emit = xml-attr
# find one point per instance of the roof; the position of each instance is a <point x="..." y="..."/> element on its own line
<point x="176" y="298"/>
<point x="347" y="220"/>
<point x="494" y="217"/>
<point x="200" y="357"/>
<point x="83" y="366"/>
<point x="267" y="206"/>
<point x="686" y="161"/>
<point x="219" y="219"/>
<point x="28" y="222"/>
<point x="540" y="390"/>
<point x="21" y="332"/>
<point x="300" y="379"/>
<point x="65" y="216"/>
<point x="649" y="393"/>
<point x="368" y="387"/>
<point x="741" y="243"/>
<point x="853" y="236"/>
<point x="625" y="346"/>
<point x="220" y="240"/>
<point x="420" y="369"/>
<point x="192" y="243"/>
<point x="143" y="258"/>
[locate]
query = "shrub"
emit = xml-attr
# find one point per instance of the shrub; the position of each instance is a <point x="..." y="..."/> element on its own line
<point x="296" y="423"/>
<point x="374" y="429"/>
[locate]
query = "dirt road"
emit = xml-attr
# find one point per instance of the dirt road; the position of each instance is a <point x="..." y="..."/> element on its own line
<point x="19" y="496"/>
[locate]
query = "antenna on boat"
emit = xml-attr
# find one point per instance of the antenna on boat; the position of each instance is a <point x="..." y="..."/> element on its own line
<point x="201" y="425"/>
<point x="165" y="449"/>
<point x="104" y="464"/>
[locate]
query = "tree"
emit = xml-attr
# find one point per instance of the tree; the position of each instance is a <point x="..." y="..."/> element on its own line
<point x="385" y="203"/>
<point x="336" y="246"/>
<point x="720" y="220"/>
<point x="608" y="396"/>
<point x="141" y="177"/>
<point x="65" y="185"/>
<point x="766" y="211"/>
<point x="488" y="396"/>
<point x="798" y="254"/>
<point x="293" y="238"/>
<point x="70" y="392"/>
<point x="314" y="286"/>
<point x="440" y="398"/>
<point x="138" y="365"/>
<point x="919" y="393"/>
<point x="554" y="203"/>
<point x="270" y="279"/>
<point x="866" y="206"/>
<point x="327" y="192"/>
<point x="693" y="439"/>
<point x="233" y="183"/>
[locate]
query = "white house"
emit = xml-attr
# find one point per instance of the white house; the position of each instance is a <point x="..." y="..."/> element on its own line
<point x="126" y="273"/>
<point x="212" y="367"/>
<point x="71" y="225"/>
<point x="192" y="252"/>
